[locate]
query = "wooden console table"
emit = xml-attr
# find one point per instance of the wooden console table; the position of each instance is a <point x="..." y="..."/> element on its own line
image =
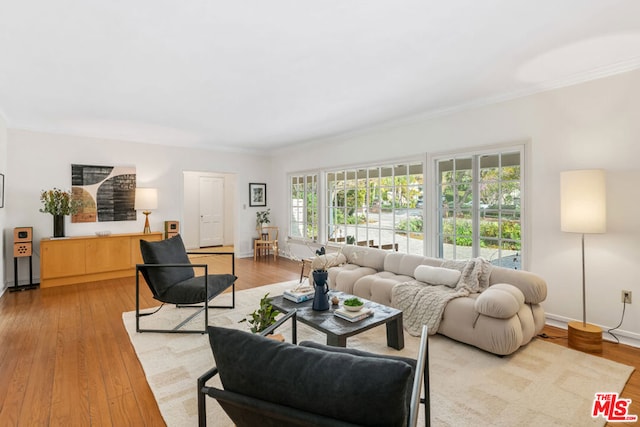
<point x="80" y="259"/>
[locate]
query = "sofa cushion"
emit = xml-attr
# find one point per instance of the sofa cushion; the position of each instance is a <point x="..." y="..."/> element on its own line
<point x="437" y="275"/>
<point x="501" y="301"/>
<point x="358" y="389"/>
<point x="344" y="277"/>
<point x="324" y="262"/>
<point x="365" y="257"/>
<point x="405" y="264"/>
<point x="378" y="287"/>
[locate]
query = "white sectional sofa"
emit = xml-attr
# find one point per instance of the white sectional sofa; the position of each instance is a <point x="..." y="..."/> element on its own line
<point x="499" y="319"/>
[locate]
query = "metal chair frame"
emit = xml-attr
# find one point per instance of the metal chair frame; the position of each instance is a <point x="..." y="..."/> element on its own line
<point x="208" y="298"/>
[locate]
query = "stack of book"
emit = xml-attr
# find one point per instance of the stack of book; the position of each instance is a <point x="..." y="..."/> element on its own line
<point x="353" y="316"/>
<point x="299" y="294"/>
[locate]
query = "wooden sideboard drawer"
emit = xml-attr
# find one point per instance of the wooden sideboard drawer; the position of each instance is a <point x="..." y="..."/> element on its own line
<point x="108" y="254"/>
<point x="62" y="258"/>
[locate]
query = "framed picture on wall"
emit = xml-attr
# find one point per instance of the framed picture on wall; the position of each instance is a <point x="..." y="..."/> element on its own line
<point x="257" y="194"/>
<point x="1" y="190"/>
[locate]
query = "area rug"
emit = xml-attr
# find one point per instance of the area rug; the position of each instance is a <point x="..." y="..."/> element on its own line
<point x="541" y="384"/>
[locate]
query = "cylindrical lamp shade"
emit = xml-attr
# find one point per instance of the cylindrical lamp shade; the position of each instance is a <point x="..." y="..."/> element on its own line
<point x="583" y="207"/>
<point x="146" y="199"/>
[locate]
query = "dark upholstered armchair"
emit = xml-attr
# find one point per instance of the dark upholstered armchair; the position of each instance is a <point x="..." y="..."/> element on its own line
<point x="170" y="276"/>
<point x="269" y="383"/>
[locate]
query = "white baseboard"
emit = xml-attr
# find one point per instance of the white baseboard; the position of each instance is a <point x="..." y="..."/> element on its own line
<point x="629" y="338"/>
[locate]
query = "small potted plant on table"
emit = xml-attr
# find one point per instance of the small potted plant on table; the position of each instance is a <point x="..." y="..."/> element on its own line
<point x="263" y="317"/>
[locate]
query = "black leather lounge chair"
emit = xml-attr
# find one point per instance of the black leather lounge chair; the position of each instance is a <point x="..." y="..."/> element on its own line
<point x="269" y="383"/>
<point x="170" y="275"/>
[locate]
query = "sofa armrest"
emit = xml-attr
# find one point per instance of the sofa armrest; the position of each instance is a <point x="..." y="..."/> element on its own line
<point x="532" y="286"/>
<point x="501" y="301"/>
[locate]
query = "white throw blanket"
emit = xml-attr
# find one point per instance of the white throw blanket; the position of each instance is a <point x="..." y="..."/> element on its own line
<point x="423" y="304"/>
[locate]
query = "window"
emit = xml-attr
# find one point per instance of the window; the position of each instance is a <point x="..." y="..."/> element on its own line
<point x="474" y="206"/>
<point x="479" y="211"/>
<point x="304" y="206"/>
<point x="377" y="206"/>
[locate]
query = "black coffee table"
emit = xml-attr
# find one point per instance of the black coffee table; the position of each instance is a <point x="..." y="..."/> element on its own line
<point x="337" y="329"/>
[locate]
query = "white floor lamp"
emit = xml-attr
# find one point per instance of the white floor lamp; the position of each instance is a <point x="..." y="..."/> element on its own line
<point x="583" y="210"/>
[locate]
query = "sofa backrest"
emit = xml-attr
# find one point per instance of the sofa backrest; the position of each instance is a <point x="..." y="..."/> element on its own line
<point x="406" y="264"/>
<point x="532" y="286"/>
<point x="365" y="257"/>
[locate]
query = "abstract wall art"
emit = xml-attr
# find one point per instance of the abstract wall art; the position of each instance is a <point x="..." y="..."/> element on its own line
<point x="107" y="193"/>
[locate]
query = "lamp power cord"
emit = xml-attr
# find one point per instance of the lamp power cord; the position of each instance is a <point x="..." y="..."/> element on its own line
<point x="624" y="306"/>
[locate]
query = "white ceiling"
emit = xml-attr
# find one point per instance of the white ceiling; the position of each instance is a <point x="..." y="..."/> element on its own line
<point x="261" y="74"/>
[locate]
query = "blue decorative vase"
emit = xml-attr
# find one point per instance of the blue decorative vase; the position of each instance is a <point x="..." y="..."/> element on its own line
<point x="320" y="298"/>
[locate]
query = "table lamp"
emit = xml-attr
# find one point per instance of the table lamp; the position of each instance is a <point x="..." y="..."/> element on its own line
<point x="583" y="210"/>
<point x="146" y="200"/>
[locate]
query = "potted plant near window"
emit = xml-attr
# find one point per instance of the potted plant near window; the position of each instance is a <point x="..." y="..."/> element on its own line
<point x="58" y="203"/>
<point x="262" y="218"/>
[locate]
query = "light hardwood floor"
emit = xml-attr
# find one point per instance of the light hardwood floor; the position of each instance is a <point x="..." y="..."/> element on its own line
<point x="65" y="358"/>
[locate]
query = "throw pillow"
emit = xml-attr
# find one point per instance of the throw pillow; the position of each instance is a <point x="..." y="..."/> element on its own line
<point x="437" y="275"/>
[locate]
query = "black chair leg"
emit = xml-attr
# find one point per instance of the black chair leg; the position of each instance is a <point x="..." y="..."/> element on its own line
<point x="176" y="329"/>
<point x="137" y="301"/>
<point x="233" y="299"/>
<point x="202" y="396"/>
<point x="427" y="399"/>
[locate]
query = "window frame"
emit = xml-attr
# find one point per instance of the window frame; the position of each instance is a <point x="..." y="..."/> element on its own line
<point x="371" y="233"/>
<point x="429" y="190"/>
<point x="475" y="153"/>
<point x="374" y="234"/>
<point x="305" y="223"/>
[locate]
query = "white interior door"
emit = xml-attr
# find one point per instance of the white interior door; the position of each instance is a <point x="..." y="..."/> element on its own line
<point x="211" y="211"/>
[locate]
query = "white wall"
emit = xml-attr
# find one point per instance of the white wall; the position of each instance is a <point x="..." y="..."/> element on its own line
<point x="4" y="247"/>
<point x="591" y="125"/>
<point x="39" y="161"/>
